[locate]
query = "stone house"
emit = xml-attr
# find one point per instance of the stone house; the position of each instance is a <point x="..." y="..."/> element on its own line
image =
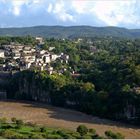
<point x="2" y="55"/>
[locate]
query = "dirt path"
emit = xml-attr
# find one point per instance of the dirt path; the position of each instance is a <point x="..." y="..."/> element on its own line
<point x="58" y="117"/>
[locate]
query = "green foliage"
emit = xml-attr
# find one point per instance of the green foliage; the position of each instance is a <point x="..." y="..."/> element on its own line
<point x="88" y="87"/>
<point x="82" y="130"/>
<point x="86" y="137"/>
<point x="112" y="135"/>
<point x="36" y="129"/>
<point x="3" y="120"/>
<point x="9" y="131"/>
<point x="126" y="88"/>
<point x="13" y="120"/>
<point x="19" y="123"/>
<point x="36" y="136"/>
<point x="52" y="136"/>
<point x="71" y="32"/>
<point x="7" y="126"/>
<point x="63" y="134"/>
<point x="10" y="134"/>
<point x="42" y="129"/>
<point x="106" y="79"/>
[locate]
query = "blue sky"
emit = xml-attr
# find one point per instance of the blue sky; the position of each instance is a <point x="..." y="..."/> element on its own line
<point x="19" y="13"/>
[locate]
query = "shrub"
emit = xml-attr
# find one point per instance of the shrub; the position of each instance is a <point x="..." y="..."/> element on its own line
<point x="96" y="136"/>
<point x="63" y="134"/>
<point x="36" y="136"/>
<point x="43" y="129"/>
<point x="36" y="129"/>
<point x="82" y="130"/>
<point x="7" y="126"/>
<point x="75" y="135"/>
<point x="13" y="120"/>
<point x="112" y="135"/>
<point x="19" y="122"/>
<point x="54" y="132"/>
<point x="86" y="137"/>
<point x="3" y="120"/>
<point x="119" y="136"/>
<point x="9" y="134"/>
<point x="52" y="136"/>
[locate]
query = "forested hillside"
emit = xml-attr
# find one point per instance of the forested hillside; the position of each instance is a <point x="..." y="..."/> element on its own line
<point x="71" y="32"/>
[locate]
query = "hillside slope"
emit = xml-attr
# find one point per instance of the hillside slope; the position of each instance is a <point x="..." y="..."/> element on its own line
<point x="71" y="31"/>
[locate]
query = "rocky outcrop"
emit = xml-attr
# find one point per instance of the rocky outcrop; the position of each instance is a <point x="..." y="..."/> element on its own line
<point x="31" y="91"/>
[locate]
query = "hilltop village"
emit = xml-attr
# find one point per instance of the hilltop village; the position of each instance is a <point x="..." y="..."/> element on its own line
<point x="18" y="57"/>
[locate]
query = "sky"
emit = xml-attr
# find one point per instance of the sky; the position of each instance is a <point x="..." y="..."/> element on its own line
<point x="23" y="13"/>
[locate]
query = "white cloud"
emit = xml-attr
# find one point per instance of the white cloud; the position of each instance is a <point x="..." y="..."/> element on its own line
<point x="66" y="17"/>
<point x="16" y="10"/>
<point x="114" y="12"/>
<point x="109" y="12"/>
<point x="59" y="9"/>
<point x="50" y="8"/>
<point x="36" y="1"/>
<point x="82" y="6"/>
<point x="104" y="12"/>
<point x="16" y="6"/>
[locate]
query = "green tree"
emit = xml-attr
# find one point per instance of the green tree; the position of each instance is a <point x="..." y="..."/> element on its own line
<point x="82" y="130"/>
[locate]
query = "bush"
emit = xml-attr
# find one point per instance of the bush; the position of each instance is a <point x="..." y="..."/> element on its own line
<point x="36" y="129"/>
<point x="36" y="136"/>
<point x="63" y="134"/>
<point x="9" y="134"/>
<point x="86" y="137"/>
<point x="7" y="126"/>
<point x="54" y="132"/>
<point x="3" y="120"/>
<point x="75" y="135"/>
<point x="19" y="122"/>
<point x="119" y="136"/>
<point x="43" y="129"/>
<point x="52" y="136"/>
<point x="112" y="135"/>
<point x="13" y="120"/>
<point x="82" y="130"/>
<point x="39" y="129"/>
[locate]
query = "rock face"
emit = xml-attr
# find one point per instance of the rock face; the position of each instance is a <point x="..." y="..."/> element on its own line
<point x="4" y="78"/>
<point x="130" y="112"/>
<point x="29" y="90"/>
<point x="28" y="85"/>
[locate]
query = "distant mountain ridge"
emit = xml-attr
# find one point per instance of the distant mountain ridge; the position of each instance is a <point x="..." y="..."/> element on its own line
<point x="71" y="31"/>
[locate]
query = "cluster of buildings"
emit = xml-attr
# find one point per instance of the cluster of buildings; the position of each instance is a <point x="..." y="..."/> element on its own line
<point x="18" y="57"/>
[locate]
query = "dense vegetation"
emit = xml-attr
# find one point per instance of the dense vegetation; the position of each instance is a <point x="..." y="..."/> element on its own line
<point x="71" y="32"/>
<point x="17" y="129"/>
<point x="108" y="81"/>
